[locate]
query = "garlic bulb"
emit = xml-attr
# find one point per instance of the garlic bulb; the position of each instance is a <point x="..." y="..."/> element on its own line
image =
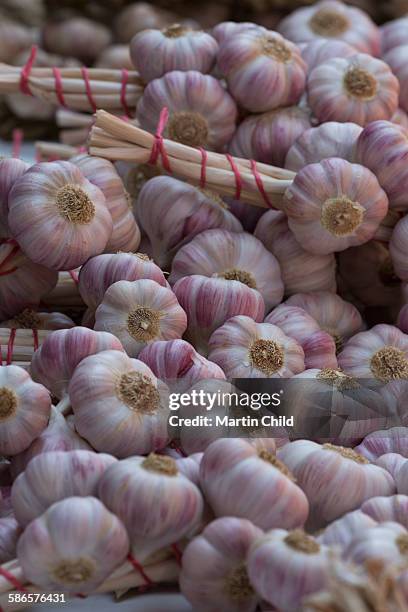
<point x="10" y="172"/>
<point x="178" y="364"/>
<point x="268" y="137"/>
<point x="246" y="349"/>
<point x="333" y="314"/>
<point x="248" y="481"/>
<point x="399" y="247"/>
<point x="30" y="319"/>
<point x="387" y="542"/>
<point x="73" y="546"/>
<point x="177" y="47"/>
<point x="10" y="532"/>
<point x="139" y="16"/>
<point x="227" y="29"/>
<point x="53" y="476"/>
<point x="55" y="361"/>
<point x="201" y="112"/>
<point x="214" y="574"/>
<point x="102" y="173"/>
<point x="119" y="406"/>
<point x="392" y="462"/>
<point x="138" y="312"/>
<point x="384" y="509"/>
<point x="396" y="59"/>
<point x="157" y="504"/>
<point x="319" y="50"/>
<point x="380" y="353"/>
<point x="318" y="346"/>
<point x="325" y="472"/>
<point x="300" y="270"/>
<point x="334" y="205"/>
<point x="76" y="36"/>
<point x="382" y="147"/>
<point x="116" y="57"/>
<point x="24" y="409"/>
<point x="22" y="282"/>
<point x="330" y="19"/>
<point x="247" y="214"/>
<point x="218" y="253"/>
<point x="172" y="212"/>
<point x="14" y="39"/>
<point x="210" y="302"/>
<point x="57" y="436"/>
<point x="359" y="88"/>
<point x="394" y="34"/>
<point x="340" y="532"/>
<point x="331" y="139"/>
<point x="285" y="566"/>
<point x="379" y="443"/>
<point x="263" y="70"/>
<point x="57" y="216"/>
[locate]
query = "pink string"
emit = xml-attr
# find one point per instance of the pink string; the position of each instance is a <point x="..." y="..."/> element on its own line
<point x="35" y="339"/>
<point x="158" y="145"/>
<point x="139" y="568"/>
<point x="17" y="142"/>
<point x="58" y="85"/>
<point x="12" y="580"/>
<point x="260" y="184"/>
<point x="85" y="76"/>
<point x="125" y="79"/>
<point x="10" y="346"/>
<point x="238" y="177"/>
<point x="26" y="70"/>
<point x="177" y="554"/>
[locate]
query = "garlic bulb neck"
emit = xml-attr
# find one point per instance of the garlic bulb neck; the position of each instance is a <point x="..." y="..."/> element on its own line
<point x="239" y="275"/>
<point x="176" y="30"/>
<point x="300" y="541"/>
<point x="27" y="319"/>
<point x="138" y="393"/>
<point x="238" y="585"/>
<point x="402" y="543"/>
<point x="8" y="403"/>
<point x="142" y="256"/>
<point x="338" y="340"/>
<point x="143" y="323"/>
<point x="75" y="205"/>
<point x="389" y="363"/>
<point x="269" y="457"/>
<point x="266" y="355"/>
<point x="161" y="464"/>
<point x="276" y="49"/>
<point x="327" y="22"/>
<point x="359" y="83"/>
<point x="347" y="453"/>
<point x="341" y="216"/>
<point x="189" y="128"/>
<point x="338" y="379"/>
<point x="74" y="571"/>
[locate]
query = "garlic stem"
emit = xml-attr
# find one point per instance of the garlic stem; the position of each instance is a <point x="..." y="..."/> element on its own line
<point x="64" y="405"/>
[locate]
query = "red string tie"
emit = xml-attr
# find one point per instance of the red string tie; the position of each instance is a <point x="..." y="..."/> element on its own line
<point x="139" y="568"/>
<point x="10" y="346"/>
<point x="259" y="184"/>
<point x="158" y="144"/>
<point x="26" y="70"/>
<point x="35" y="339"/>
<point x="12" y="580"/>
<point x="177" y="554"/>
<point x="125" y="80"/>
<point x="238" y="177"/>
<point x="58" y="85"/>
<point x="85" y="76"/>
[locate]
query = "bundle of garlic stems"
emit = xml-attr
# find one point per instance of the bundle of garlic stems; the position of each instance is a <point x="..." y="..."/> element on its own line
<point x="102" y="88"/>
<point x="75" y="126"/>
<point x="49" y="151"/>
<point x="114" y="139"/>
<point x="18" y="345"/>
<point x="65" y="294"/>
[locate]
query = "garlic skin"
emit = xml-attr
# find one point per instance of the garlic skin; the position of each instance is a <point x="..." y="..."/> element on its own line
<point x="402" y="321"/>
<point x="57" y="216"/>
<point x="178" y="364"/>
<point x="359" y="88"/>
<point x="300" y="270"/>
<point x="398" y="248"/>
<point x="201" y="112"/>
<point x="90" y="37"/>
<point x="218" y="253"/>
<point x="400" y="117"/>
<point x="57" y="436"/>
<point x="268" y="137"/>
<point x="243" y="58"/>
<point x="139" y="312"/>
<point x="172" y="212"/>
<point x="325" y="471"/>
<point x="341" y="531"/>
<point x="394" y="34"/>
<point x="10" y="532"/>
<point x="246" y="480"/>
<point x="15" y="38"/>
<point x="318" y="346"/>
<point x="55" y="361"/>
<point x="331" y="139"/>
<point x="30" y="319"/>
<point x="380" y="353"/>
<point x="176" y="47"/>
<point x="228" y="29"/>
<point x="334" y="205"/>
<point x="139" y="16"/>
<point x="116" y="57"/>
<point x="285" y="566"/>
<point x="24" y="409"/>
<point x="247" y="214"/>
<point x="333" y="20"/>
<point x="101" y="172"/>
<point x="157" y="504"/>
<point x="95" y="543"/>
<point x="246" y="349"/>
<point x="22" y="282"/>
<point x="392" y="462"/>
<point x="119" y="406"/>
<point x="210" y="302"/>
<point x="379" y="443"/>
<point x="382" y="147"/>
<point x="384" y="509"/>
<point x="334" y="315"/>
<point x="318" y="51"/>
<point x="10" y="171"/>
<point x="53" y="476"/>
<point x="386" y="541"/>
<point x="395" y="58"/>
<point x="213" y="574"/>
